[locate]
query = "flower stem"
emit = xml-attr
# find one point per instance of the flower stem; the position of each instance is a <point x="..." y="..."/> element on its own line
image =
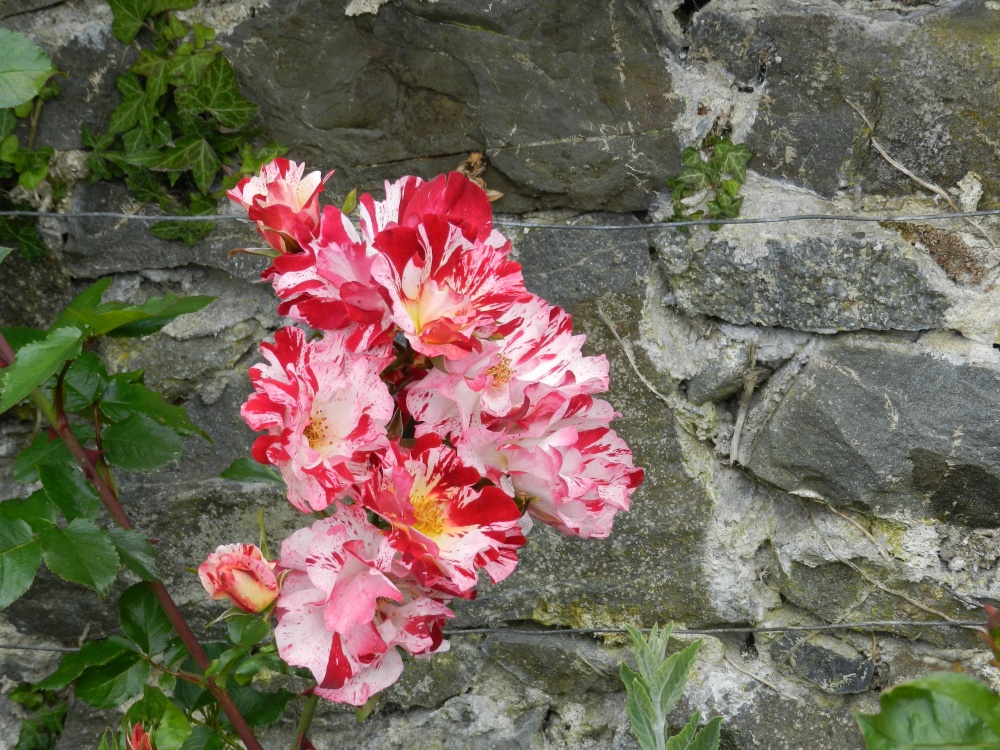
<point x="110" y="499"/>
<point x="305" y="720"/>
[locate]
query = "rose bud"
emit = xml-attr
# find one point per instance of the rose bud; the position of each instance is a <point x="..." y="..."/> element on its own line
<point x="240" y="573"/>
<point x="138" y="739"/>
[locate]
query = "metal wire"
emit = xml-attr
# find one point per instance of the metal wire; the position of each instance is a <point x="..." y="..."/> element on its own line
<point x="452" y="633"/>
<point x="547" y="225"/>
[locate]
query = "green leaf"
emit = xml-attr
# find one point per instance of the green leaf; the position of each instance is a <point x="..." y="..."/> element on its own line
<point x="218" y="93"/>
<point x="160" y="6"/>
<point x="203" y="738"/>
<point x="36" y="510"/>
<point x="18" y="336"/>
<point x="195" y="154"/>
<point x="129" y="15"/>
<point x="690" y="738"/>
<point x="174" y="729"/>
<point x="188" y="232"/>
<point x="113" y="683"/>
<point x="122" y="399"/>
<point x="90" y="654"/>
<point x="24" y="68"/>
<point x="641" y="713"/>
<point x="159" y="311"/>
<point x="129" y="110"/>
<point x="84" y="382"/>
<point x="202" y="34"/>
<point x="668" y="682"/>
<point x="350" y="202"/>
<point x="139" y="443"/>
<point x="187" y="65"/>
<point x="731" y="187"/>
<point x="24" y="232"/>
<point x="733" y="159"/>
<point x="8" y="121"/>
<point x="944" y="710"/>
<point x="260" y="709"/>
<point x="9" y="147"/>
<point x="35" y="363"/>
<point x="19" y="560"/>
<point x="81" y="553"/>
<point x="135" y="552"/>
<point x="68" y="488"/>
<point x="43" y="451"/>
<point x="691" y="157"/>
<point x="248" y="470"/>
<point x="143" y="619"/>
<point x="246" y="631"/>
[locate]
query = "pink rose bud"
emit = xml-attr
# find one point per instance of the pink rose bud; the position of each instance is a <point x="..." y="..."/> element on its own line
<point x="240" y="573"/>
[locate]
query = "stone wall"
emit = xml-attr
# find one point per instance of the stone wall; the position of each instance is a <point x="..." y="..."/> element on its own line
<point x="855" y="479"/>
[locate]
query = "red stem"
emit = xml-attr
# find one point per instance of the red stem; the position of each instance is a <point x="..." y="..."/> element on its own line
<point x="110" y="500"/>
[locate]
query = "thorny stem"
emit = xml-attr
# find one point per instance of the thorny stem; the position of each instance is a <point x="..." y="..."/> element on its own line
<point x="308" y="710"/>
<point x="110" y="499"/>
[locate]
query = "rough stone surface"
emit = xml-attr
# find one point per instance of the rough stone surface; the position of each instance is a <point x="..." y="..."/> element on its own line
<point x="569" y="114"/>
<point x="907" y="457"/>
<point x="935" y="117"/>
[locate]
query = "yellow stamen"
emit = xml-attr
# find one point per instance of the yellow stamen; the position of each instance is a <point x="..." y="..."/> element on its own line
<point x="501" y="372"/>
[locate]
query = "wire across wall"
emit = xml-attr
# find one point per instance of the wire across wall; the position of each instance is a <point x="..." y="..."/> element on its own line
<point x="871" y="625"/>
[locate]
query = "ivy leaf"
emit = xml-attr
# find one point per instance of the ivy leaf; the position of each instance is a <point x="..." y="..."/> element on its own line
<point x="188" y="232"/>
<point x="24" y="68"/>
<point x="70" y="491"/>
<point x="129" y="16"/>
<point x="19" y="560"/>
<point x="37" y="362"/>
<point x="143" y="619"/>
<point x="129" y="110"/>
<point x="733" y="159"/>
<point x="135" y="552"/>
<point x="247" y="470"/>
<point x="81" y="553"/>
<point x="218" y="93"/>
<point x="161" y="6"/>
<point x="944" y="710"/>
<point x="24" y="232"/>
<point x="113" y="683"/>
<point x="122" y="399"/>
<point x="140" y="443"/>
<point x="188" y="65"/>
<point x="195" y="154"/>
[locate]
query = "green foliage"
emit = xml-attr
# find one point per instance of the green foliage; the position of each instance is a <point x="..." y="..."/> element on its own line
<point x="181" y="121"/>
<point x="81" y="553"/>
<point x="37" y="362"/>
<point x="656" y="687"/>
<point x="43" y="727"/>
<point x="143" y="620"/>
<point x="709" y="184"/>
<point x="24" y="69"/>
<point x="20" y="557"/>
<point x="248" y="470"/>
<point x="944" y="710"/>
<point x="24" y="72"/>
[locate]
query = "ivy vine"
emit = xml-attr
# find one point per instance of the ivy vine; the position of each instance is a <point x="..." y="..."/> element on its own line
<point x="182" y="119"/>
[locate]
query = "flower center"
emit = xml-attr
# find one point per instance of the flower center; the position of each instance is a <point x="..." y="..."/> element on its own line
<point x="315" y="432"/>
<point x="501" y="372"/>
<point x="427" y="510"/>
